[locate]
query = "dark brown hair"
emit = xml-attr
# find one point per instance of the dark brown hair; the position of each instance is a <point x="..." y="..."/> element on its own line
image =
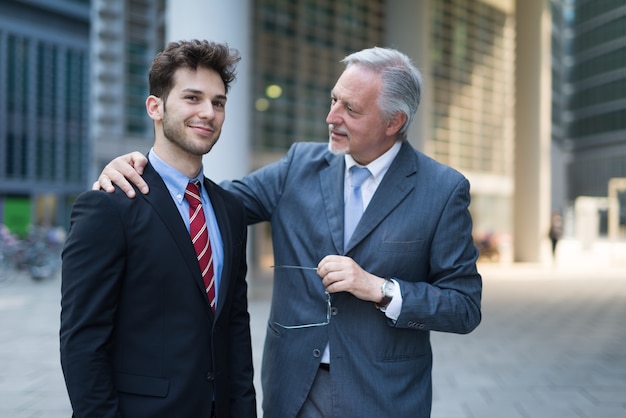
<point x="191" y="55"/>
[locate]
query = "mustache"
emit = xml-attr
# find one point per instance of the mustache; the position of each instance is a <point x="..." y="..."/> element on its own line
<point x="333" y="128"/>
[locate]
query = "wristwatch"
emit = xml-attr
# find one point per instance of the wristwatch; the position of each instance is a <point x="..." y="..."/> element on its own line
<point x="387" y="291"/>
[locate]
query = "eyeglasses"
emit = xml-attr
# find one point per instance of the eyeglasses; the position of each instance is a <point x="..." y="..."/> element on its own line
<point x="328" y="302"/>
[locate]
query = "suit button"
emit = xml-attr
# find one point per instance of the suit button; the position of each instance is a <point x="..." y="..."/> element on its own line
<point x="334" y="311"/>
<point x="317" y="353"/>
<point x="415" y="325"/>
<point x="210" y="376"/>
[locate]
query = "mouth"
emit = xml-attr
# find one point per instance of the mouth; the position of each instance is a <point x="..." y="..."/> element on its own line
<point x="202" y="130"/>
<point x="337" y="134"/>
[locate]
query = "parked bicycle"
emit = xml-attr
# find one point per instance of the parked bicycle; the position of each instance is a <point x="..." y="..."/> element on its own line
<point x="38" y="254"/>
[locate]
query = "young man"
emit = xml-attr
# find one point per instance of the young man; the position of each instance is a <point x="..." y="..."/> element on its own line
<point x="154" y="321"/>
<point x="408" y="268"/>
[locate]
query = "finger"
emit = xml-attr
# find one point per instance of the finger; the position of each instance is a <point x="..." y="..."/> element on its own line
<point x="332" y="288"/>
<point x="95" y="185"/>
<point x="103" y="183"/>
<point x="111" y="175"/>
<point x="329" y="263"/>
<point x="138" y="161"/>
<point x="123" y="172"/>
<point x="132" y="176"/>
<point x="331" y="278"/>
<point x="338" y="285"/>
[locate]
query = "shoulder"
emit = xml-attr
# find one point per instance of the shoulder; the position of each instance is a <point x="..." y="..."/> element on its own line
<point x="310" y="150"/>
<point x="102" y="197"/>
<point x="309" y="157"/>
<point x="95" y="202"/>
<point x="230" y="200"/>
<point x="300" y="158"/>
<point x="429" y="169"/>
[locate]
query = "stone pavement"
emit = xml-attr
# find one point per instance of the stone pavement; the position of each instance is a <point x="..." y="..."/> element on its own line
<point x="552" y="343"/>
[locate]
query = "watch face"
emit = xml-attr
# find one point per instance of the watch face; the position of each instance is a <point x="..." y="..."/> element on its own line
<point x="388" y="288"/>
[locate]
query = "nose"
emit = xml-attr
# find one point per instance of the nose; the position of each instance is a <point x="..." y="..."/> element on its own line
<point x="333" y="117"/>
<point x="206" y="110"/>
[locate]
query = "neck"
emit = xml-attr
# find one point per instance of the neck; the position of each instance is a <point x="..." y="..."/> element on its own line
<point x="187" y="164"/>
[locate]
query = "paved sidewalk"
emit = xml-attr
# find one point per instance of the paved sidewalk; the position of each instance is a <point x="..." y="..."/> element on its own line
<point x="31" y="382"/>
<point x="552" y="343"/>
<point x="547" y="348"/>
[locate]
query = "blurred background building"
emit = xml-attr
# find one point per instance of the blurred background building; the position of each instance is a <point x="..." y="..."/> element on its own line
<point x="527" y="98"/>
<point x="44" y="110"/>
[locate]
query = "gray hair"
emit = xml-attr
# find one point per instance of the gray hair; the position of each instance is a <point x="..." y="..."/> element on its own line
<point x="401" y="81"/>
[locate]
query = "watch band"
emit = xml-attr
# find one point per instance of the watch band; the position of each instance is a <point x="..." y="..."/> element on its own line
<point x="387" y="291"/>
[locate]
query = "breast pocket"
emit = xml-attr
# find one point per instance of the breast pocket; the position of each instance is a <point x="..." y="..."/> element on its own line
<point x="404" y="260"/>
<point x="400" y="247"/>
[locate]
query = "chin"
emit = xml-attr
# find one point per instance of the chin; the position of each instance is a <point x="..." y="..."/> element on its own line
<point x="336" y="148"/>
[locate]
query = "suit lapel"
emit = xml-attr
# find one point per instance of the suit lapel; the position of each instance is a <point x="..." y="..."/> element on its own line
<point x="392" y="190"/>
<point x="161" y="201"/>
<point x="331" y="181"/>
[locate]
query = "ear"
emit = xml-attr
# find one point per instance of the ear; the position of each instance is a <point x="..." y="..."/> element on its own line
<point x="396" y="122"/>
<point x="154" y="107"/>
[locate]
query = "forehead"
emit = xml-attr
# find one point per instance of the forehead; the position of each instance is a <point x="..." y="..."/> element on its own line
<point x="357" y="84"/>
<point x="201" y="79"/>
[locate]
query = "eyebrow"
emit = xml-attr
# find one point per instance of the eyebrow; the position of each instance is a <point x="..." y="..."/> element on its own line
<point x="348" y="103"/>
<point x="200" y="92"/>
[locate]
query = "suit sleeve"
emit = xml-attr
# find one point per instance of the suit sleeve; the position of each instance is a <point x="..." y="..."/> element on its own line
<point x="261" y="191"/>
<point x="233" y="348"/>
<point x="243" y="397"/>
<point x="449" y="299"/>
<point x="93" y="263"/>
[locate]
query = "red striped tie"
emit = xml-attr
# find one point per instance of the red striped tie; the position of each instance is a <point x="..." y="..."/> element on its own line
<point x="200" y="239"/>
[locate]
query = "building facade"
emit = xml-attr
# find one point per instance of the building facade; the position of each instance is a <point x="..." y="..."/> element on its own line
<point x="497" y="103"/>
<point x="44" y="109"/>
<point x="596" y="126"/>
<point x="464" y="48"/>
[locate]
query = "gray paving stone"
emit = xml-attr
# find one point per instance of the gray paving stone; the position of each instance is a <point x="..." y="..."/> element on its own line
<point x="549" y="410"/>
<point x="603" y="411"/>
<point x="552" y="344"/>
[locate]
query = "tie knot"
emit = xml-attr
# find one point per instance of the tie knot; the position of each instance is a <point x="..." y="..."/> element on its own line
<point x="192" y="193"/>
<point x="358" y="175"/>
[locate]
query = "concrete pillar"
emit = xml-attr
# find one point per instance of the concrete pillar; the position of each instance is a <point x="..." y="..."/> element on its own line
<point x="532" y="131"/>
<point x="407" y="28"/>
<point x="616" y="185"/>
<point x="587" y="220"/>
<point x="229" y="22"/>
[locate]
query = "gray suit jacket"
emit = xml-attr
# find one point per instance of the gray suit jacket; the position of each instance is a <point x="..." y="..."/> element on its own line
<point x="416" y="229"/>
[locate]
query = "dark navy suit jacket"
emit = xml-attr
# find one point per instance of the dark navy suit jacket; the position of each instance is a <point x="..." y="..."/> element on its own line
<point x="138" y="338"/>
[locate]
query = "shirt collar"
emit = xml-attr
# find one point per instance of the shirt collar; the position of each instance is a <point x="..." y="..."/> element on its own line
<point x="175" y="181"/>
<point x="380" y="165"/>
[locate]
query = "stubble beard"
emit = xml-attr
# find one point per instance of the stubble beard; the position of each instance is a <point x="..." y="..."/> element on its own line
<point x="336" y="151"/>
<point x="334" y="147"/>
<point x="176" y="136"/>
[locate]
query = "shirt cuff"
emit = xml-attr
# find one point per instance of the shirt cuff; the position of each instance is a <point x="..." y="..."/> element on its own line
<point x="392" y="311"/>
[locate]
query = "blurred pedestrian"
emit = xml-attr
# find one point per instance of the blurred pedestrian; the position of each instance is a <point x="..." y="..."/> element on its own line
<point x="556" y="231"/>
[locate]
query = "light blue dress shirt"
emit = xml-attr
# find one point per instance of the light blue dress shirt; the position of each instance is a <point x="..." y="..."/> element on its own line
<point x="176" y="183"/>
<point x="378" y="168"/>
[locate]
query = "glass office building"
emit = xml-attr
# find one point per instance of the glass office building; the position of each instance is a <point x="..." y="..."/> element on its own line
<point x="44" y="109"/>
<point x="597" y="126"/>
<point x="467" y="49"/>
<point x="297" y="48"/>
